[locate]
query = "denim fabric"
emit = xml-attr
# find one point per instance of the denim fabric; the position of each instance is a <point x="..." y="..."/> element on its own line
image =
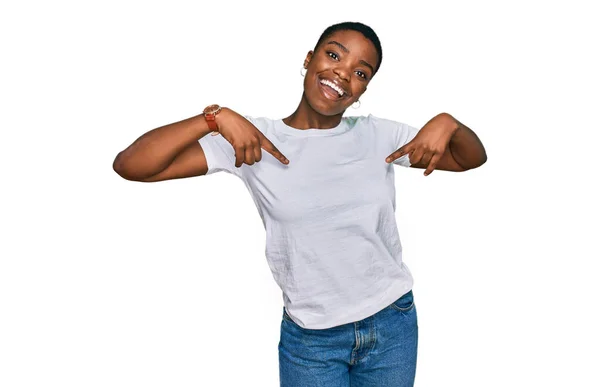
<point x="378" y="351"/>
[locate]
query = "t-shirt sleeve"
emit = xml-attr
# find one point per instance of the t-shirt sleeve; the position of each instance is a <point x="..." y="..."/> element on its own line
<point x="219" y="154"/>
<point x="396" y="135"/>
<point x="404" y="133"/>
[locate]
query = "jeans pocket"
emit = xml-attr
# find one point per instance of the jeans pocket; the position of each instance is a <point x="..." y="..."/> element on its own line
<point x="286" y="316"/>
<point x="406" y="303"/>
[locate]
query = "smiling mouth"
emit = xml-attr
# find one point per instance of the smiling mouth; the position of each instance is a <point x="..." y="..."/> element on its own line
<point x="329" y="92"/>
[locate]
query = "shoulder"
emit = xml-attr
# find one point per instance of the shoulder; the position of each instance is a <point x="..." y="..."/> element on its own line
<point x="264" y="124"/>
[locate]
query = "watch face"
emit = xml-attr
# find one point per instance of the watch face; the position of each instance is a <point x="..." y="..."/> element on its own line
<point x="212" y="109"/>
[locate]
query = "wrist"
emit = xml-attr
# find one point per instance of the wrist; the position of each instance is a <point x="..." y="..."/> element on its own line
<point x="211" y="114"/>
<point x="222" y="116"/>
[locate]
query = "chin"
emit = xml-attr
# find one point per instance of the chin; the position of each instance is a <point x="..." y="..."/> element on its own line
<point x="322" y="107"/>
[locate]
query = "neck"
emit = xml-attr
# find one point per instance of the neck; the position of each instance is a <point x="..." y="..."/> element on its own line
<point x="305" y="117"/>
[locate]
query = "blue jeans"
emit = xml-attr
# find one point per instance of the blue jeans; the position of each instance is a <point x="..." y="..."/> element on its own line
<point x="379" y="351"/>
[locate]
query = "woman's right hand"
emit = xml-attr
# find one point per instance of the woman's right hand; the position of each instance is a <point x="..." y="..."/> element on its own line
<point x="245" y="138"/>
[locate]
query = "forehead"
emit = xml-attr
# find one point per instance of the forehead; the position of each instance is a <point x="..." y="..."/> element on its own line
<point x="356" y="43"/>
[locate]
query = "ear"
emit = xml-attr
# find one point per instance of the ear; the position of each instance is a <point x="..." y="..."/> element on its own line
<point x="308" y="58"/>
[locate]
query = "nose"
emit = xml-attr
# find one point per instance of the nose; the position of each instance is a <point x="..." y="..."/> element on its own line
<point x="342" y="72"/>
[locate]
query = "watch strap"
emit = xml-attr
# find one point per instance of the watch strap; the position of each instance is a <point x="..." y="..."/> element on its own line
<point x="209" y="114"/>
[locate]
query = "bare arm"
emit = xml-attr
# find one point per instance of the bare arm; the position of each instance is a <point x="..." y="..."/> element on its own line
<point x="443" y="143"/>
<point x="465" y="147"/>
<point x="160" y="149"/>
<point x="174" y="152"/>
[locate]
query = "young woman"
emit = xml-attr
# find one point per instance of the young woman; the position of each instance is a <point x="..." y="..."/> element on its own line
<point x="325" y="192"/>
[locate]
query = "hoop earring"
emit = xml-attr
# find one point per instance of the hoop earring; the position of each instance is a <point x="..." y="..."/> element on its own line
<point x="356" y="107"/>
<point x="301" y="73"/>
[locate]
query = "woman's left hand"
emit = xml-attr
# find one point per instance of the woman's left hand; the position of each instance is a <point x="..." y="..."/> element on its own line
<point x="430" y="143"/>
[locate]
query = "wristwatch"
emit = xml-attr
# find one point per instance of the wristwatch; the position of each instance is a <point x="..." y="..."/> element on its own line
<point x="209" y="114"/>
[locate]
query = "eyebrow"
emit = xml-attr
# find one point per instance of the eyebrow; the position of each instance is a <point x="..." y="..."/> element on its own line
<point x="341" y="46"/>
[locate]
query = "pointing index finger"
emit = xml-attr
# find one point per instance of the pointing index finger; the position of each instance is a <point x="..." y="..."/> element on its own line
<point x="267" y="145"/>
<point x="399" y="153"/>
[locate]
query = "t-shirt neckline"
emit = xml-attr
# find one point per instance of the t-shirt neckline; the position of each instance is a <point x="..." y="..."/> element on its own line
<point x="340" y="128"/>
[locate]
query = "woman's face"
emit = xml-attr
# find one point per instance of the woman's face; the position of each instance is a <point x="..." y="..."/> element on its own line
<point x="343" y="63"/>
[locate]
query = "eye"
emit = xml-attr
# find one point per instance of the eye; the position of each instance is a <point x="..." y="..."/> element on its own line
<point x="362" y="75"/>
<point x="330" y="53"/>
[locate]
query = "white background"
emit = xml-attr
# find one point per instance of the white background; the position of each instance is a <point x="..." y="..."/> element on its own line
<point x="108" y="282"/>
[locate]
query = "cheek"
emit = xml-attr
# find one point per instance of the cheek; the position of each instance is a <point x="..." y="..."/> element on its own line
<point x="306" y="83"/>
<point x="310" y="83"/>
<point x="358" y="92"/>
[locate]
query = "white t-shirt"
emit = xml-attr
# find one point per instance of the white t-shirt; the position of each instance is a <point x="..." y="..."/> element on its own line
<point x="332" y="242"/>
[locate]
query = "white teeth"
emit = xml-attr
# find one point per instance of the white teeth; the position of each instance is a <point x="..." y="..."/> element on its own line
<point x="333" y="86"/>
